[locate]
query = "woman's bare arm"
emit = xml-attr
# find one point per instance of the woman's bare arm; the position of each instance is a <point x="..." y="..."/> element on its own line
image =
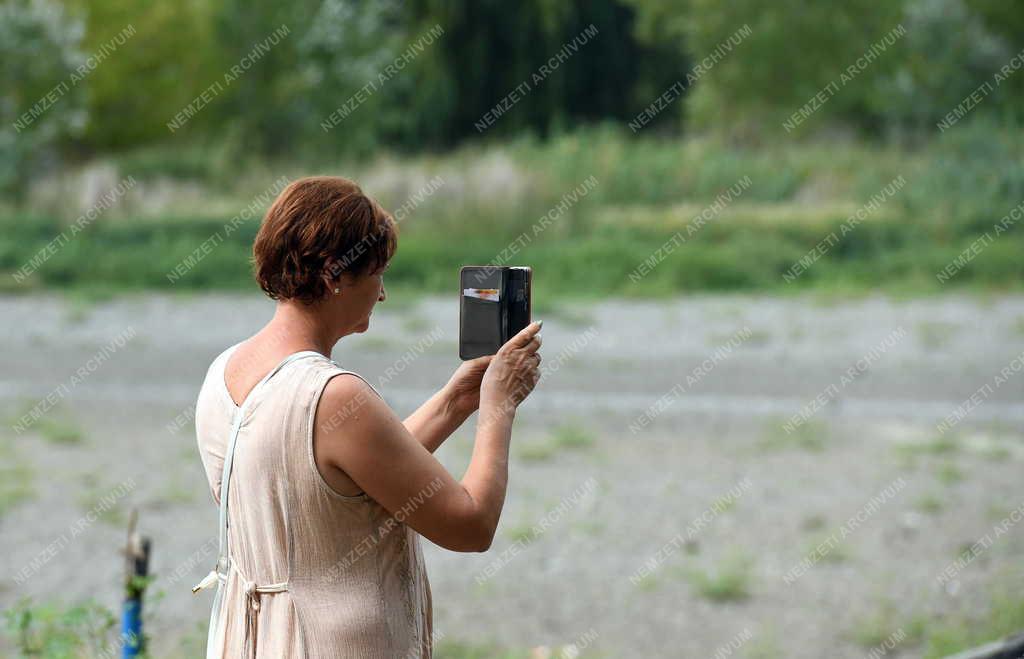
<point x="378" y="452"/>
<point x="436" y="420"/>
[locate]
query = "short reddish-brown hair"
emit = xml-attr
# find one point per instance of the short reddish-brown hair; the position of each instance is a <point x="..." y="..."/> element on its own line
<point x="320" y="224"/>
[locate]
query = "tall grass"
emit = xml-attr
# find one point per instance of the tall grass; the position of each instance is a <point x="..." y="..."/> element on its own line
<point x="494" y="198"/>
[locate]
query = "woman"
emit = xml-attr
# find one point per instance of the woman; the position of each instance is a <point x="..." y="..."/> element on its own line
<point x="326" y="491"/>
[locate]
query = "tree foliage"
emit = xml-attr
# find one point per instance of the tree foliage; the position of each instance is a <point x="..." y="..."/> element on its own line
<point x="335" y="53"/>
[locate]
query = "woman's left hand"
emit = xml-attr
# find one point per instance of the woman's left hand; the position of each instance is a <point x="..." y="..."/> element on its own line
<point x="464" y="385"/>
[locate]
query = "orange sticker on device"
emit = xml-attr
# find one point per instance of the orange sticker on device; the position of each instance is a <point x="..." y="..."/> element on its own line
<point x="482" y="293"/>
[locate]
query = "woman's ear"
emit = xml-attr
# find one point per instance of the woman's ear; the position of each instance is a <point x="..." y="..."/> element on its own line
<point x="333" y="284"/>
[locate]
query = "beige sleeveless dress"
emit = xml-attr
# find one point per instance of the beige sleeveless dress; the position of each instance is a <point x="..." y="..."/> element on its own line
<point x="304" y="570"/>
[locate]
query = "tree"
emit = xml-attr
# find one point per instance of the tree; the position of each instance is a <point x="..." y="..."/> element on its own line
<point x="43" y="103"/>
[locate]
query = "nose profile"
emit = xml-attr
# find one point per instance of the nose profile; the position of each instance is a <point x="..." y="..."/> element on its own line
<point x="383" y="295"/>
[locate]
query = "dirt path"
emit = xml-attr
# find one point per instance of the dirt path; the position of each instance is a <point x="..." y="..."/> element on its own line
<point x="651" y="417"/>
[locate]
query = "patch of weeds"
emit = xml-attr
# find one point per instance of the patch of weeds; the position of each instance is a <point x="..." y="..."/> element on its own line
<point x="969" y="551"/>
<point x="187" y="453"/>
<point x="949" y="474"/>
<point x="757" y="337"/>
<point x="174" y="492"/>
<point x="569" y="436"/>
<point x="935" y="334"/>
<point x="537" y="451"/>
<point x="59" y="430"/>
<point x="996" y="453"/>
<point x="648" y="582"/>
<point x="55" y="630"/>
<point x="929" y="504"/>
<point x="764" y="645"/>
<point x="724" y="503"/>
<point x="1018" y="326"/>
<point x="943" y="445"/>
<point x="448" y="648"/>
<point x="884" y="627"/>
<point x="826" y="550"/>
<point x="378" y="343"/>
<point x="572" y="436"/>
<point x="56" y="426"/>
<point x="78" y="310"/>
<point x="996" y="512"/>
<point x="16" y="477"/>
<point x="729" y="581"/>
<point x="956" y="634"/>
<point x="523" y="533"/>
<point x="415" y="324"/>
<point x="939" y="445"/>
<point x="907" y="461"/>
<point x="813" y="523"/>
<point x="727" y="311"/>
<point x="101" y="501"/>
<point x="811" y="435"/>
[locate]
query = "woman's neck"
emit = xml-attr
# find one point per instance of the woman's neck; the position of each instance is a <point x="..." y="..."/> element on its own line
<point x="296" y="327"/>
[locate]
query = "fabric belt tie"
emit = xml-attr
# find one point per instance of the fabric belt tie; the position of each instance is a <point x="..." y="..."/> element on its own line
<point x="252" y="607"/>
<point x="253" y="593"/>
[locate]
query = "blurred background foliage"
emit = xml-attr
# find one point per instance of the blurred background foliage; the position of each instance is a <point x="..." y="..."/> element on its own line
<point x="574" y="123"/>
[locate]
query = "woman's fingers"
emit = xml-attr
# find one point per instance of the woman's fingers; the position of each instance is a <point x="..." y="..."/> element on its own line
<point x="524" y="337"/>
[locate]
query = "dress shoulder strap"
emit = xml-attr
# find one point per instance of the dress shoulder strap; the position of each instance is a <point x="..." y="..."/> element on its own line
<point x="219" y="573"/>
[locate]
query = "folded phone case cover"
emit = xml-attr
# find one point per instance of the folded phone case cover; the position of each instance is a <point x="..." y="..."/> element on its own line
<point x="494" y="307"/>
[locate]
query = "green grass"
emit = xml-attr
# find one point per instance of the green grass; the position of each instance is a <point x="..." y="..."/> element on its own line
<point x="59" y="430"/>
<point x="832" y="552"/>
<point x="736" y="255"/>
<point x="940" y="445"/>
<point x="949" y="474"/>
<point x="523" y="533"/>
<point x="1018" y="326"/>
<point x="56" y="425"/>
<point x="937" y="635"/>
<point x="955" y="634"/>
<point x="648" y="189"/>
<point x="569" y="436"/>
<point x="764" y="645"/>
<point x="811" y="435"/>
<point x="813" y="523"/>
<point x="884" y="624"/>
<point x="729" y="581"/>
<point x="648" y="582"/>
<point x="451" y="649"/>
<point x="930" y="504"/>
<point x="55" y="630"/>
<point x="415" y="324"/>
<point x="100" y="500"/>
<point x="16" y="478"/>
<point x="176" y="492"/>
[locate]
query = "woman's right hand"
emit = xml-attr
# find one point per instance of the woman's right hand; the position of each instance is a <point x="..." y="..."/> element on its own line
<point x="513" y="372"/>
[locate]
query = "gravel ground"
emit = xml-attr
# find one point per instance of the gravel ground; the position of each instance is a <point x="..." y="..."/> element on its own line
<point x="657" y="505"/>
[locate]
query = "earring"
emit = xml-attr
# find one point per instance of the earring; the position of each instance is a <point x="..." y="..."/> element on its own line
<point x="337" y="290"/>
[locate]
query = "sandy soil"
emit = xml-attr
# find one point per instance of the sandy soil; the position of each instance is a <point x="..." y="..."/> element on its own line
<point x="612" y="499"/>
